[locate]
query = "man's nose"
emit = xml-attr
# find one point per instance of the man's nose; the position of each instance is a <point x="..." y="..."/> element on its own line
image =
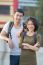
<point x="19" y="17"/>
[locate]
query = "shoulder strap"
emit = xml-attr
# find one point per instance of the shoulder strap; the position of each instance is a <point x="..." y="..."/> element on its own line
<point x="35" y="38"/>
<point x="23" y="34"/>
<point x="10" y="27"/>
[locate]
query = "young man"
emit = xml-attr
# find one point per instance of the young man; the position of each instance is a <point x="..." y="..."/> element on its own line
<point x="14" y="42"/>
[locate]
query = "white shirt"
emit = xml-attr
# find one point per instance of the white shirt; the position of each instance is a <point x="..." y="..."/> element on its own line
<point x="15" y="39"/>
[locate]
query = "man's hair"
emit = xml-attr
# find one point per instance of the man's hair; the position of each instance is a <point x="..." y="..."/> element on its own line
<point x="20" y="10"/>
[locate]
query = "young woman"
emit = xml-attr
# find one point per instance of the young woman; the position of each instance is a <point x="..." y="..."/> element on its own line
<point x="30" y="43"/>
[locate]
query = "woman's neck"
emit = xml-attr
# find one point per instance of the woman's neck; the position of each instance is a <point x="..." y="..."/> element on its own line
<point x="30" y="33"/>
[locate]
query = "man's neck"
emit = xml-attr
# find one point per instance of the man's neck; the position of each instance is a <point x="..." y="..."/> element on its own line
<point x="16" y="24"/>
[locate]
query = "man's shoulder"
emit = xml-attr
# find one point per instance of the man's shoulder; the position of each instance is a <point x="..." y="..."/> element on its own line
<point x="6" y="26"/>
<point x="7" y="23"/>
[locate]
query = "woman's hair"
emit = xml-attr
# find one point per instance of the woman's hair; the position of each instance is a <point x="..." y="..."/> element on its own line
<point x="35" y="22"/>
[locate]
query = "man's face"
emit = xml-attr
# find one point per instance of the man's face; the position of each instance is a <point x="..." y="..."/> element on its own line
<point x="18" y="17"/>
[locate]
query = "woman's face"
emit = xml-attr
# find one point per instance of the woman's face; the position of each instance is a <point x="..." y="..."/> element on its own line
<point x="30" y="26"/>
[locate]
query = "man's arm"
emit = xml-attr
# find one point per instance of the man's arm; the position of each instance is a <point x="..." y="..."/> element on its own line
<point x="4" y="32"/>
<point x="3" y="35"/>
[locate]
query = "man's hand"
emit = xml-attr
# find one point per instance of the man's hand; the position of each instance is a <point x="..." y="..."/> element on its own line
<point x="19" y="32"/>
<point x="10" y="43"/>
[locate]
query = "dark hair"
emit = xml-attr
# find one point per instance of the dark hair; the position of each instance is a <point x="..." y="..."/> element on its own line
<point x="24" y="26"/>
<point x="35" y="22"/>
<point x="20" y="10"/>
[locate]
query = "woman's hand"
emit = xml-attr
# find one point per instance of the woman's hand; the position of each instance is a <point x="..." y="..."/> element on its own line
<point x="37" y="44"/>
<point x="25" y="46"/>
<point x="28" y="46"/>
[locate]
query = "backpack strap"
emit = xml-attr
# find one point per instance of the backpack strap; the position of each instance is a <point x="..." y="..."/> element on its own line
<point x="35" y="38"/>
<point x="23" y="34"/>
<point x="10" y="27"/>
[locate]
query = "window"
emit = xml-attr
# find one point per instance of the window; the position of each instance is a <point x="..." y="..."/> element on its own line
<point x="4" y="9"/>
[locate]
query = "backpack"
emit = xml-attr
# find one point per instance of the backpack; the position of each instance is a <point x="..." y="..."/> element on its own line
<point x="9" y="28"/>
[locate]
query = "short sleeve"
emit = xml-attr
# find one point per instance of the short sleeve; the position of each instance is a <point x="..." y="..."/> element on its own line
<point x="5" y="28"/>
<point x="39" y="40"/>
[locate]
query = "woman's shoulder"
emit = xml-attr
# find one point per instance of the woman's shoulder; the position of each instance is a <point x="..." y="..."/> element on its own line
<point x="38" y="35"/>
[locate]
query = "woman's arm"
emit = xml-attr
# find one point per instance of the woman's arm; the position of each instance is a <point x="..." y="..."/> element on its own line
<point x="28" y="46"/>
<point x="36" y="46"/>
